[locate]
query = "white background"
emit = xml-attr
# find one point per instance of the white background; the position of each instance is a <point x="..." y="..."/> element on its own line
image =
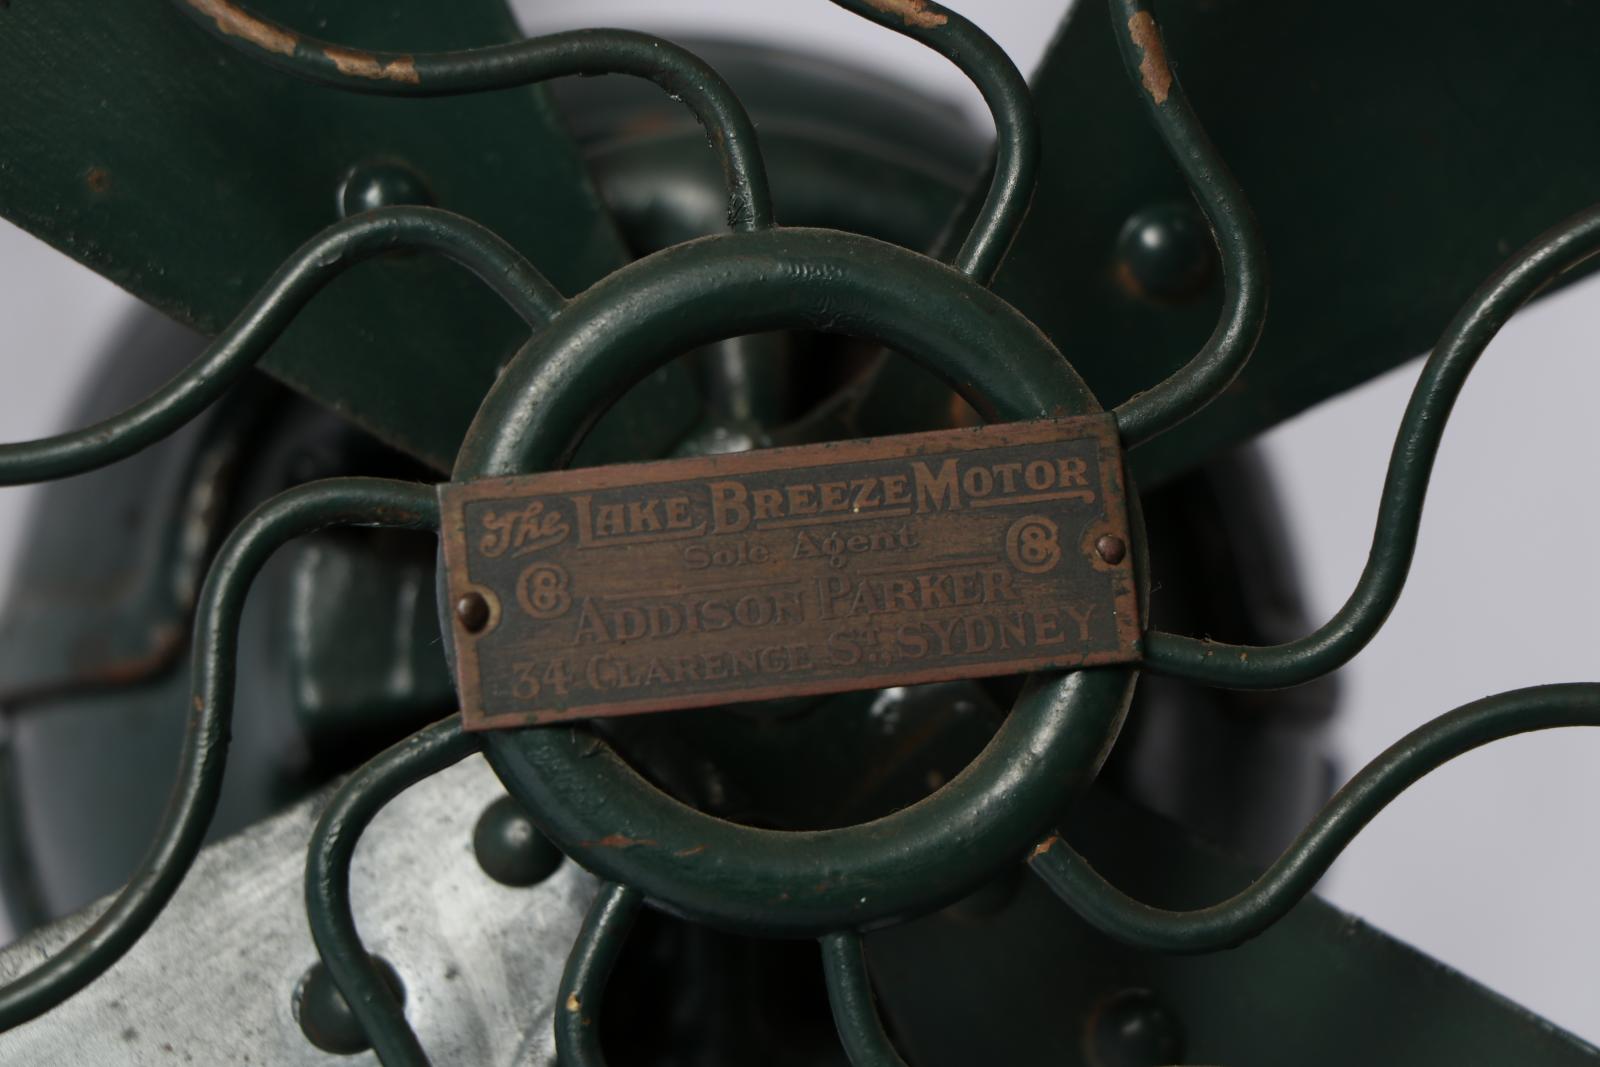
<point x="1491" y="864"/>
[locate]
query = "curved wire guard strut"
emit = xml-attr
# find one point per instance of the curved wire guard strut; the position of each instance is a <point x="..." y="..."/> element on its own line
<point x="252" y="332"/>
<point x="583" y="982"/>
<point x="327" y="887"/>
<point x="676" y="70"/>
<point x="1405" y="487"/>
<point x="1294" y="874"/>
<point x="299" y="511"/>
<point x="1233" y="227"/>
<point x="1016" y="165"/>
<point x="855" y="1015"/>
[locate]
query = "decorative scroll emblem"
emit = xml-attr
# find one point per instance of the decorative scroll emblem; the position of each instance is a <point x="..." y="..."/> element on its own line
<point x="769" y="574"/>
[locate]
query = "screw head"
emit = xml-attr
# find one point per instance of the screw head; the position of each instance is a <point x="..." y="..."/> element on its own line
<point x="1133" y="1029"/>
<point x="510" y="849"/>
<point x="1111" y="548"/>
<point x="1164" y="253"/>
<point x="472" y="611"/>
<point x="325" y="1016"/>
<point x="380" y="183"/>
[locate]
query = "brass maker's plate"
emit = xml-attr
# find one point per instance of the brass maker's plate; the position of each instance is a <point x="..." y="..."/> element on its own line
<point x="893" y="561"/>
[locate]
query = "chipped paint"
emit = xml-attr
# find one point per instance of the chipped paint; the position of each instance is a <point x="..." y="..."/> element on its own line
<point x="1044" y="846"/>
<point x="618" y="841"/>
<point x="360" y="64"/>
<point x="1154" y="73"/>
<point x="915" y="13"/>
<point x="574" y="1005"/>
<point x="236" y="22"/>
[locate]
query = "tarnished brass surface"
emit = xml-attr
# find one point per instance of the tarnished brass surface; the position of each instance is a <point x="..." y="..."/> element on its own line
<point x="920" y="558"/>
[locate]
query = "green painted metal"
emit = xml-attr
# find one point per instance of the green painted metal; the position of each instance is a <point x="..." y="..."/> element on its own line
<point x="583" y="795"/>
<point x="359" y="976"/>
<point x="79" y="620"/>
<point x="880" y="752"/>
<point x="543" y="410"/>
<point x="1213" y="368"/>
<point x="1266" y="900"/>
<point x="510" y="849"/>
<point x="1016" y="131"/>
<point x="18" y="880"/>
<point x="268" y="315"/>
<point x="658" y="189"/>
<point x="844" y="967"/>
<point x="798" y="93"/>
<point x="1029" y="983"/>
<point x="1391" y="167"/>
<point x="324" y="1015"/>
<point x="583" y="982"/>
<point x="306" y="509"/>
<point x="1396" y="264"/>
<point x="685" y="77"/>
<point x="514" y="65"/>
<point x="361" y="637"/>
<point x="144" y="149"/>
<point x="1524" y="276"/>
<point x="655" y="186"/>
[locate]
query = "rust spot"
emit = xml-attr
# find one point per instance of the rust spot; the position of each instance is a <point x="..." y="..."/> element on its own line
<point x="366" y="65"/>
<point x="236" y="22"/>
<point x="1153" y="70"/>
<point x="1129" y="282"/>
<point x="1044" y="846"/>
<point x="618" y="841"/>
<point x="90" y="670"/>
<point x="915" y="13"/>
<point x="652" y="123"/>
<point x="199" y="705"/>
<point x="98" y="179"/>
<point x="690" y="851"/>
<point x="165" y="643"/>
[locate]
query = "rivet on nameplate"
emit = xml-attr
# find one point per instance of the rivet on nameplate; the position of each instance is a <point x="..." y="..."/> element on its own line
<point x="793" y="571"/>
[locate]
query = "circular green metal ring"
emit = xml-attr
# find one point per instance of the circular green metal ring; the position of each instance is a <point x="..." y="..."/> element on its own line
<point x="596" y="807"/>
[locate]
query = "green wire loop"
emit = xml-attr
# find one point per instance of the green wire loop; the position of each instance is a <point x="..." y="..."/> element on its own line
<point x="676" y="70"/>
<point x="1233" y="227"/>
<point x="253" y="331"/>
<point x="1005" y="91"/>
<point x="1405" y="488"/>
<point x="589" y="966"/>
<point x="358" y="976"/>
<point x="295" y="513"/>
<point x="1295" y="873"/>
<point x="855" y="1014"/>
<point x="582" y="794"/>
<point x="327" y="887"/>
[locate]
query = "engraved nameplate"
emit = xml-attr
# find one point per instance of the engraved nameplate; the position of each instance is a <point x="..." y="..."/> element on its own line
<point x="791" y="571"/>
